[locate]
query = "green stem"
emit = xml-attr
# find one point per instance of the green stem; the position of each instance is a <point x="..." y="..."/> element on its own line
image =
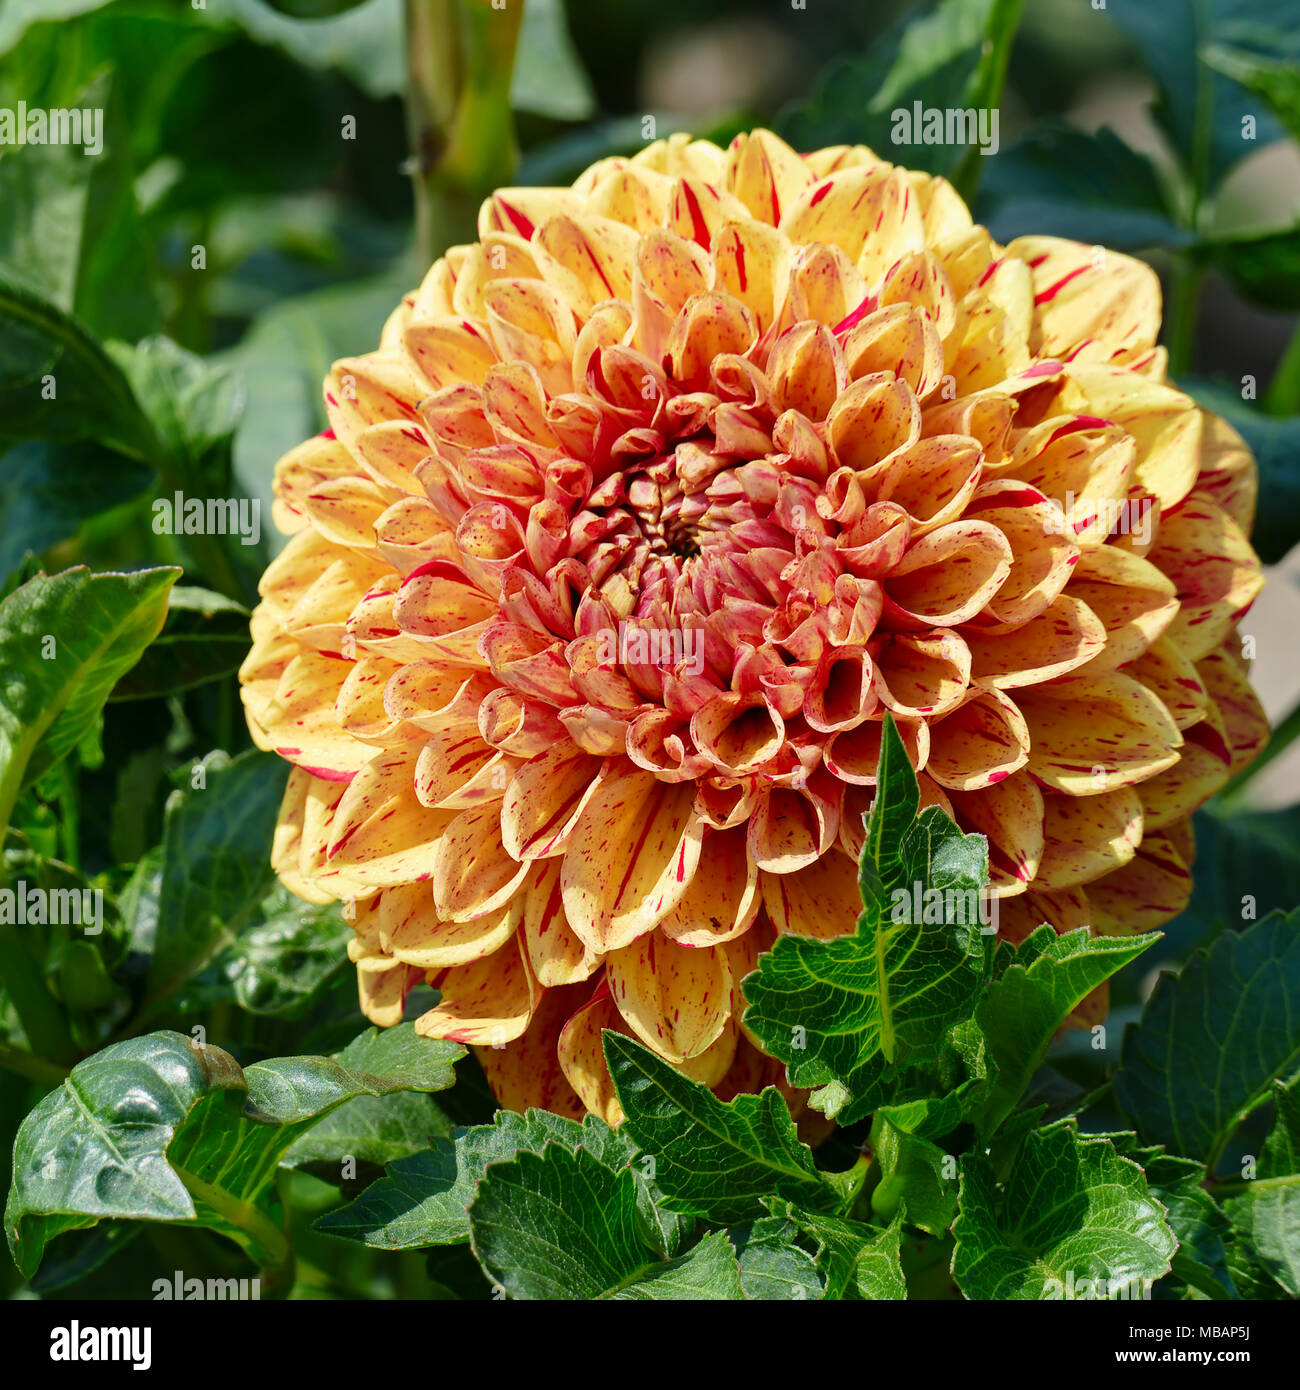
<point x="69" y="811"/>
<point x="1184" y="306"/>
<point x="1230" y="1187"/>
<point x="1283" y="394"/>
<point x="263" y="1240"/>
<point x="34" y="1068"/>
<point x="1188" y="273"/>
<point x="461" y="57"/>
<point x="989" y="97"/>
<point x="42" y="1018"/>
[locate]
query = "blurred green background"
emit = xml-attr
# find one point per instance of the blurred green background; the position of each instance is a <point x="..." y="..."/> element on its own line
<point x="252" y="218"/>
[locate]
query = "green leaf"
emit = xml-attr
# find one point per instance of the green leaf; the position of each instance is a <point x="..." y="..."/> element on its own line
<point x="48" y="490"/>
<point x="1196" y="1219"/>
<point x="364" y="42"/>
<point x="1048" y="978"/>
<point x="423" y="1200"/>
<point x="1267" y="1214"/>
<point x="44" y="350"/>
<point x="1201" y="1228"/>
<point x="370" y="1129"/>
<point x="1262" y="263"/>
<point x="708" y="1271"/>
<point x="548" y="76"/>
<point x="913" y="1177"/>
<point x="772" y="1266"/>
<point x="859" y="1262"/>
<point x="1071" y="1209"/>
<point x="65" y="640"/>
<point x="1275" y="78"/>
<point x="1201" y="109"/>
<point x="1249" y="1277"/>
<point x="853" y="1013"/>
<point x="1229" y="1020"/>
<point x="161" y="1128"/>
<point x="931" y="1117"/>
<point x="279" y="962"/>
<point x="1058" y="181"/>
<point x="215" y="866"/>
<point x="69" y="228"/>
<point x="17" y="15"/>
<point x="1235" y="848"/>
<point x="952" y="55"/>
<point x="563" y="1224"/>
<point x="713" y="1158"/>
<point x="204" y="638"/>
<point x="193" y="408"/>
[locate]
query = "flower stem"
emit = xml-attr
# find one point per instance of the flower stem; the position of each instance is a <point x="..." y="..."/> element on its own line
<point x="1184" y="308"/>
<point x="48" y="1074"/>
<point x="1283" y="394"/>
<point x="460" y="56"/>
<point x="42" y="1018"/>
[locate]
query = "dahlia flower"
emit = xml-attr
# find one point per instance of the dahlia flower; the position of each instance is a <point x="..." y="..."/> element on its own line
<point x="649" y="507"/>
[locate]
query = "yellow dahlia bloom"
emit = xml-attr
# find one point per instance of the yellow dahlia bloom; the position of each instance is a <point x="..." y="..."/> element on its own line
<point x="648" y="508"/>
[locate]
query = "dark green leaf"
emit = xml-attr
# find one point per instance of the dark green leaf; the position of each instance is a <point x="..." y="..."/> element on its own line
<point x="1071" y="1209"/>
<point x="370" y="1129"/>
<point x="68" y="222"/>
<point x="951" y="56"/>
<point x="1237" y="848"/>
<point x="859" y="1262"/>
<point x="713" y="1158"/>
<point x="423" y="1200"/>
<point x="1267" y="1214"/>
<point x="773" y="1267"/>
<point x="193" y="408"/>
<point x="563" y="1224"/>
<point x="215" y="865"/>
<point x="281" y="960"/>
<point x="1229" y="1020"/>
<point x="365" y="42"/>
<point x="1202" y="110"/>
<point x="57" y="382"/>
<point x="1200" y="1227"/>
<point x="1275" y="78"/>
<point x="205" y="638"/>
<point x="161" y="1128"/>
<point x="313" y="9"/>
<point x="65" y="639"/>
<point x="1090" y="188"/>
<point x="1032" y="997"/>
<point x="1263" y="265"/>
<point x="548" y="77"/>
<point x="48" y="490"/>
<point x="853" y="1013"/>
